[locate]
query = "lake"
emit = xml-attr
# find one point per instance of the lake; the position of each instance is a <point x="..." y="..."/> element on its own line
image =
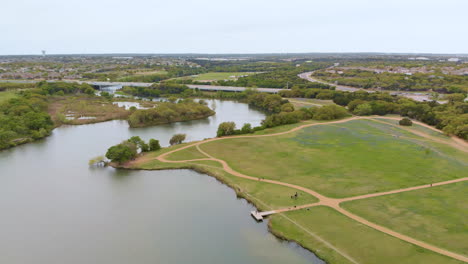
<point x="56" y="209"/>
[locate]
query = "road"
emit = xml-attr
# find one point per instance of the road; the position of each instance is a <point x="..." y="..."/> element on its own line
<point x="421" y="97"/>
<point x="308" y="76"/>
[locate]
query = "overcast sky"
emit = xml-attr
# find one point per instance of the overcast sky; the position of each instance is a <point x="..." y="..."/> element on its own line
<point x="228" y="26"/>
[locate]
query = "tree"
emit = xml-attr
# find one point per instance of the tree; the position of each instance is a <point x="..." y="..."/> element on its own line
<point x="177" y="139"/>
<point x="287" y="107"/>
<point x="363" y="109"/>
<point x="330" y="112"/>
<point x="405" y="122"/>
<point x="226" y="128"/>
<point x="135" y="140"/>
<point x="89" y="91"/>
<point x="140" y="143"/>
<point x="457" y="97"/>
<point x="246" y="128"/>
<point x="122" y="152"/>
<point x="154" y="145"/>
<point x="144" y="147"/>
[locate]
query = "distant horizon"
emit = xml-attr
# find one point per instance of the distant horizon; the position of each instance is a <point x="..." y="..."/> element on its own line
<point x="235" y="53"/>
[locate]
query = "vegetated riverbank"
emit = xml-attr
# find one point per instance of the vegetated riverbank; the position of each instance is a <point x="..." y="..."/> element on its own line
<point x="169" y="112"/>
<point x="31" y="114"/>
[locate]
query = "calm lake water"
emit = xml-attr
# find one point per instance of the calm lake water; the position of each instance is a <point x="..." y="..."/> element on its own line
<point x="55" y="209"/>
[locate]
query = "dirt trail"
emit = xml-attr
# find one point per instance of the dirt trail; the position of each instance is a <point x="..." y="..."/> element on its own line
<point x="332" y="202"/>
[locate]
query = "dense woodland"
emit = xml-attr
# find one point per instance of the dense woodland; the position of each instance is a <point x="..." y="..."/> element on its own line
<point x="25" y="117"/>
<point x="169" y="112"/>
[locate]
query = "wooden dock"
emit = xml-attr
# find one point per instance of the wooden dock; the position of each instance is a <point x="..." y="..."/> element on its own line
<point x="260" y="215"/>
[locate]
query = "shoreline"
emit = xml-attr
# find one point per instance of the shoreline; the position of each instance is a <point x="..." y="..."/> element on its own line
<point x="239" y="195"/>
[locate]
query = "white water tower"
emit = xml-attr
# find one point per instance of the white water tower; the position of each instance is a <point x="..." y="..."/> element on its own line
<point x="43" y="53"/>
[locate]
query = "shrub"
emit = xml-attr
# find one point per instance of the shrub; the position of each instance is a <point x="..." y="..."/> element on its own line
<point x="246" y="128"/>
<point x="122" y="152"/>
<point x="405" y="122"/>
<point x="154" y="145"/>
<point x="226" y="129"/>
<point x="177" y="139"/>
<point x="363" y="109"/>
<point x="330" y="112"/>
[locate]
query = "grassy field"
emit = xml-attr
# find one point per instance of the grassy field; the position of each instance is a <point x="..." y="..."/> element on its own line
<point x="7" y="95"/>
<point x="216" y="76"/>
<point x="265" y="196"/>
<point x="306" y="102"/>
<point x="418" y="128"/>
<point x="342" y="160"/>
<point x="161" y="72"/>
<point x="186" y="154"/>
<point x="436" y="215"/>
<point x="361" y="243"/>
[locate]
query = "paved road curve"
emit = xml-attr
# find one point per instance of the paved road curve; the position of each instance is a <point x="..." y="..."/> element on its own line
<point x="417" y="96"/>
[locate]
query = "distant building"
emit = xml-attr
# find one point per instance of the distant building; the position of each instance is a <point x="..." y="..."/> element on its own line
<point x="422" y="58"/>
<point x="454" y="60"/>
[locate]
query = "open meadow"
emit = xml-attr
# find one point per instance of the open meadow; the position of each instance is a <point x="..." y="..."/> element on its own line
<point x="329" y="166"/>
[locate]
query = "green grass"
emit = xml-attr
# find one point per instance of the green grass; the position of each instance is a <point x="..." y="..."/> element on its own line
<point x="306" y="102"/>
<point x="186" y="154"/>
<point x="417" y="128"/>
<point x="361" y="243"/>
<point x="265" y="196"/>
<point x="216" y="76"/>
<point x="342" y="160"/>
<point x="437" y="215"/>
<point x="7" y="95"/>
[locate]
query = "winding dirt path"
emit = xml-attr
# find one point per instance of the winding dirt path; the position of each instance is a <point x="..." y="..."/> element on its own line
<point x="332" y="202"/>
